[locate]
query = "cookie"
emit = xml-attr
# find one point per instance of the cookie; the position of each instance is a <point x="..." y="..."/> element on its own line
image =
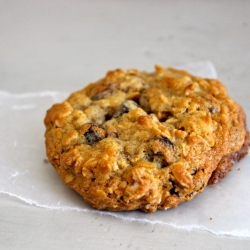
<point x="137" y="140"/>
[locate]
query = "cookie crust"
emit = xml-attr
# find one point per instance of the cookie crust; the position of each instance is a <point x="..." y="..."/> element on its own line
<point x="137" y="140"/>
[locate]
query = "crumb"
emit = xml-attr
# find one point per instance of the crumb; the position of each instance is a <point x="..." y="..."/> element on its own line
<point x="46" y="161"/>
<point x="238" y="169"/>
<point x="210" y="218"/>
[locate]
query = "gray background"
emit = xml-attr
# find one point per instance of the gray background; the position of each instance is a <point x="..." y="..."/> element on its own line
<point x="63" y="45"/>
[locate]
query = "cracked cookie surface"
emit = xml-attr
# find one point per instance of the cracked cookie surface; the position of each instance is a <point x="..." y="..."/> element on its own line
<point x="148" y="141"/>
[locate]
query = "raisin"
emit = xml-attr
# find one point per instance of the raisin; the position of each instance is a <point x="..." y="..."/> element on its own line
<point x="103" y="91"/>
<point x="164" y="115"/>
<point x="127" y="106"/>
<point x="160" y="161"/>
<point x="124" y="108"/>
<point x="172" y="191"/>
<point x="94" y="133"/>
<point x="166" y="141"/>
<point x="191" y="194"/>
<point x="108" y="117"/>
<point x="213" y="109"/>
<point x="149" y="155"/>
<point x="156" y="158"/>
<point x="194" y="171"/>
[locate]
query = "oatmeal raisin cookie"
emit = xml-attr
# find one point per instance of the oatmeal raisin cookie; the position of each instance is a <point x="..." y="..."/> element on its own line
<point x="148" y="141"/>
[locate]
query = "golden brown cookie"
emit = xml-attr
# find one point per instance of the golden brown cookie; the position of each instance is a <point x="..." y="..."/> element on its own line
<point x="148" y="141"/>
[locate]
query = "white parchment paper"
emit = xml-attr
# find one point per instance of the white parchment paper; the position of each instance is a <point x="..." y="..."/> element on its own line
<point x="222" y="209"/>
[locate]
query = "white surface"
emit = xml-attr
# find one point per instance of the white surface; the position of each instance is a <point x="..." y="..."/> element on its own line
<point x="38" y="185"/>
<point x="63" y="45"/>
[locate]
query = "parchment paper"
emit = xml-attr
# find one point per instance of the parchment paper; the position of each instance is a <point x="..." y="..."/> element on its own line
<point x="222" y="209"/>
